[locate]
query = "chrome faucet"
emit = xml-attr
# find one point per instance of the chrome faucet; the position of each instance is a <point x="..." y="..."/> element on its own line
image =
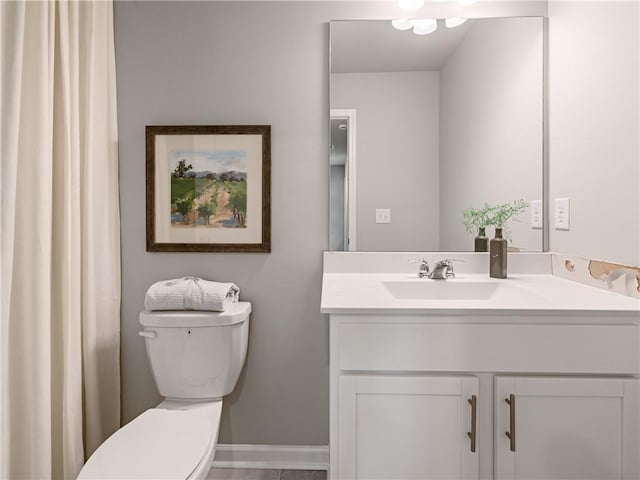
<point x="608" y="278"/>
<point x="442" y="270"/>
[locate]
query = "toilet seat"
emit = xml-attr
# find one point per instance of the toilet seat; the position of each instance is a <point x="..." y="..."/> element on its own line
<point x="162" y="443"/>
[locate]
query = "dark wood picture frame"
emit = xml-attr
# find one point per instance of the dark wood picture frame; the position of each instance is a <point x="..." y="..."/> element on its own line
<point x="154" y="244"/>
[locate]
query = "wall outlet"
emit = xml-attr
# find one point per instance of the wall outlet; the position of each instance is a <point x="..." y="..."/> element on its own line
<point x="561" y="213"/>
<point x="536" y="213"/>
<point x="383" y="215"/>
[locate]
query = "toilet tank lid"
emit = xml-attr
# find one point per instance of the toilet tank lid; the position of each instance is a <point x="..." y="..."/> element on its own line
<point x="235" y="313"/>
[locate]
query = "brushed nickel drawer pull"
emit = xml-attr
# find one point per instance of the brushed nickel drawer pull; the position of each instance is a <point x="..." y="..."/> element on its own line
<point x="511" y="434"/>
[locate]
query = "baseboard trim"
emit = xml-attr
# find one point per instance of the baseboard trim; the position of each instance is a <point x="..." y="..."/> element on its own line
<point x="290" y="457"/>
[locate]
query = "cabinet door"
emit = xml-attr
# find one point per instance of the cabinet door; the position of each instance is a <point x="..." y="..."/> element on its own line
<point x="393" y="427"/>
<point x="566" y="428"/>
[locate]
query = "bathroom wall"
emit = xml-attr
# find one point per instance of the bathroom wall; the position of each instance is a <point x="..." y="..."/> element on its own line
<point x="396" y="156"/>
<point x="594" y="124"/>
<point x="491" y="126"/>
<point x="233" y="63"/>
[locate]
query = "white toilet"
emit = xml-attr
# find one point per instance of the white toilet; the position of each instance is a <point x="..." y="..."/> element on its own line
<point x="196" y="358"/>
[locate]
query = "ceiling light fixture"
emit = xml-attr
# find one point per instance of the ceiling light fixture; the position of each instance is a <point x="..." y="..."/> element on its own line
<point x="402" y="24"/>
<point x="421" y="26"/>
<point x="424" y="26"/>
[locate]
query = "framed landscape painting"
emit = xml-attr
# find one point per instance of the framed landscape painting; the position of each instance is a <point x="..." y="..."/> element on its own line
<point x="208" y="188"/>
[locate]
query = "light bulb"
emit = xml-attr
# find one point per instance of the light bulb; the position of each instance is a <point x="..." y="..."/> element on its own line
<point x="424" y="26"/>
<point x="411" y="5"/>
<point x="466" y="3"/>
<point x="454" y="22"/>
<point x="402" y="23"/>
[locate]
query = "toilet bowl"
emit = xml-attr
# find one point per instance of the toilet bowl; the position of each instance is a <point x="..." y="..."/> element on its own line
<point x="196" y="358"/>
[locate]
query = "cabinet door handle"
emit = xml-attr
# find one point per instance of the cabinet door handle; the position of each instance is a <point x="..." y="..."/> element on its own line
<point x="511" y="434"/>
<point x="473" y="401"/>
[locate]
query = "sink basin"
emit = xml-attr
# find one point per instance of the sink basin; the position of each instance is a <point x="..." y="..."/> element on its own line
<point x="441" y="289"/>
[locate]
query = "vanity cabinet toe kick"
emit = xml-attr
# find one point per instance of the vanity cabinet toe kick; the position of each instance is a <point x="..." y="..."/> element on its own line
<point x="547" y="397"/>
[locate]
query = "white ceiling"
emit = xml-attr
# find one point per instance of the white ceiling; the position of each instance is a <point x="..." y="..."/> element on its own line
<point x="375" y="46"/>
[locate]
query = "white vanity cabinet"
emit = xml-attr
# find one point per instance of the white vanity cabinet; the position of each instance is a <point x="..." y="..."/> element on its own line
<point x="402" y="387"/>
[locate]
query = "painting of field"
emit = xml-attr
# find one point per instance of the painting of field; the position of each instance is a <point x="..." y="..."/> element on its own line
<point x="209" y="189"/>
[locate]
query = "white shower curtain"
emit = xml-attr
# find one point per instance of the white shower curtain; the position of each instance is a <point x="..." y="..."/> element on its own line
<point x="60" y="238"/>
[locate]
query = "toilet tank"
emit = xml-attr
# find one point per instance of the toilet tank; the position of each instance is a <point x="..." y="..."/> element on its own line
<point x="196" y="354"/>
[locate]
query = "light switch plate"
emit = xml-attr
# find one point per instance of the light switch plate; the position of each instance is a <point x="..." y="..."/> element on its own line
<point x="383" y="215"/>
<point x="536" y="213"/>
<point x="561" y="213"/>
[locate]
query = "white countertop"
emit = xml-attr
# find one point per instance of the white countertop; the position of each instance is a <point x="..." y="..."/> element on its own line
<point x="371" y="293"/>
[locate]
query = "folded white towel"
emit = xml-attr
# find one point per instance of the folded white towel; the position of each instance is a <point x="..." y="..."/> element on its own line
<point x="191" y="293"/>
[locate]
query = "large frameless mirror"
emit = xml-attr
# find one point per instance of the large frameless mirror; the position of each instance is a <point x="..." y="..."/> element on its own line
<point x="427" y="127"/>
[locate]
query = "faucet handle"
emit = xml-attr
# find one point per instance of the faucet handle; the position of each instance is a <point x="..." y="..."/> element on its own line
<point x="423" y="270"/>
<point x="422" y="261"/>
<point x="453" y="260"/>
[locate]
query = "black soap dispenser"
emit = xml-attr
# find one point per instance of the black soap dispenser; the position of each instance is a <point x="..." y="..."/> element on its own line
<point x="498" y="256"/>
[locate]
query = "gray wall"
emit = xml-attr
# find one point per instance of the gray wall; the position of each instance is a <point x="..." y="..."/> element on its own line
<point x="594" y="117"/>
<point x="244" y="62"/>
<point x="396" y="156"/>
<point x="220" y="63"/>
<point x="491" y="126"/>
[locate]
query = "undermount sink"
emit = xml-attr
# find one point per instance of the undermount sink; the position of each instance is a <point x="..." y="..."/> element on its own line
<point x="441" y="289"/>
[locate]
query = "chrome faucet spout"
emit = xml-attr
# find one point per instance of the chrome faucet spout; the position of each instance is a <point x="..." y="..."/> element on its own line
<point x="443" y="270"/>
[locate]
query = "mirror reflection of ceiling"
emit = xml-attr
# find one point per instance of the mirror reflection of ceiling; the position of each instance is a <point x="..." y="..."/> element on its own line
<point x="366" y="46"/>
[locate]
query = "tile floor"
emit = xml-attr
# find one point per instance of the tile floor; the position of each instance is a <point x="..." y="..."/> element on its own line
<point x="255" y="474"/>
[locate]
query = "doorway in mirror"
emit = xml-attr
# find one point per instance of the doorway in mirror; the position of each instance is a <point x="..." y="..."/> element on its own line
<point x="342" y="167"/>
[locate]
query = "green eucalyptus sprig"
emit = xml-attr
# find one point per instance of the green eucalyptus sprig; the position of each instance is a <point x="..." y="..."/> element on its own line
<point x="476" y="218"/>
<point x="496" y="216"/>
<point x="504" y="212"/>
